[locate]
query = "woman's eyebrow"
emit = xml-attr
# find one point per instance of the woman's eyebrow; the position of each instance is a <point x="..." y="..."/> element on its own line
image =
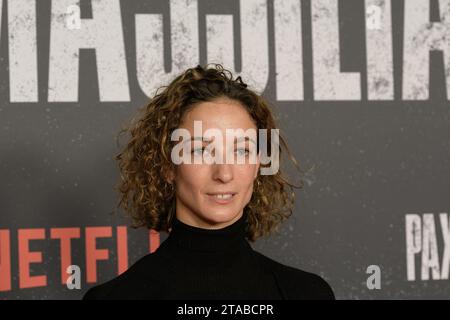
<point x="205" y="139"/>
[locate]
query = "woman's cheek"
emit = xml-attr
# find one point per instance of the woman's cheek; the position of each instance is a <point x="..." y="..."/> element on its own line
<point x="191" y="173"/>
<point x="247" y="173"/>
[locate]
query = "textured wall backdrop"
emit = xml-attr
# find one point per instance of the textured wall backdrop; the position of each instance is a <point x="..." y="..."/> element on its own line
<point x="361" y="90"/>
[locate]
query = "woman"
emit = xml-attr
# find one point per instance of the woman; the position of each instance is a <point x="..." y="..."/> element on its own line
<point x="210" y="209"/>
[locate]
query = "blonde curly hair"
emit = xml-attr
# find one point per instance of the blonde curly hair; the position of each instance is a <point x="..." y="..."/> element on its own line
<point x="148" y="197"/>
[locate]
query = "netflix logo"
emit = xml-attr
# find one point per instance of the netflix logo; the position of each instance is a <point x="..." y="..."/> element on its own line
<point x="65" y="238"/>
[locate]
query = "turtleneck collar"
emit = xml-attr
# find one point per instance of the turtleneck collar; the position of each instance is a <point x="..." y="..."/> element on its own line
<point x="199" y="239"/>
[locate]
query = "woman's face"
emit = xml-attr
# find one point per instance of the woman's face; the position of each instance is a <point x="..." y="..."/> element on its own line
<point x="196" y="184"/>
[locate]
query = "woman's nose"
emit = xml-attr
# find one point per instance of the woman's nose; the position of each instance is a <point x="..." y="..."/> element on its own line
<point x="223" y="172"/>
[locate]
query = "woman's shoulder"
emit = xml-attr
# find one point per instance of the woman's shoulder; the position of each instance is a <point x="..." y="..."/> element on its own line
<point x="141" y="278"/>
<point x="296" y="283"/>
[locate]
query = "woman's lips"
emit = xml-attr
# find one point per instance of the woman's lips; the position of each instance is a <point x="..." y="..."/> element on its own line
<point x="228" y="198"/>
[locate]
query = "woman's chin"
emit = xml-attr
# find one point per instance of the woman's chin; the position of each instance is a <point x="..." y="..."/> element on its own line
<point x="219" y="216"/>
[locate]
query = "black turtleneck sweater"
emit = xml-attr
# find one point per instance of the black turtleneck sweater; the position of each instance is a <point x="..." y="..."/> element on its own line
<point x="196" y="263"/>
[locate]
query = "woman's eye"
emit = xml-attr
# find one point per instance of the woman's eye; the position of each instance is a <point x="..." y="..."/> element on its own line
<point x="198" y="151"/>
<point x="243" y="151"/>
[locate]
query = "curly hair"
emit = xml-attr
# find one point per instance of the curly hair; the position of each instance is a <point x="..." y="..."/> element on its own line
<point x="148" y="197"/>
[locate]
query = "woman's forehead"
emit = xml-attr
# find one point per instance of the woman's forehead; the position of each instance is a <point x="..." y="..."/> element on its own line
<point x="221" y="115"/>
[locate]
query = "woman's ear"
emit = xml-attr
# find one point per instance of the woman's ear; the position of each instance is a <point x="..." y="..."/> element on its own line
<point x="170" y="176"/>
